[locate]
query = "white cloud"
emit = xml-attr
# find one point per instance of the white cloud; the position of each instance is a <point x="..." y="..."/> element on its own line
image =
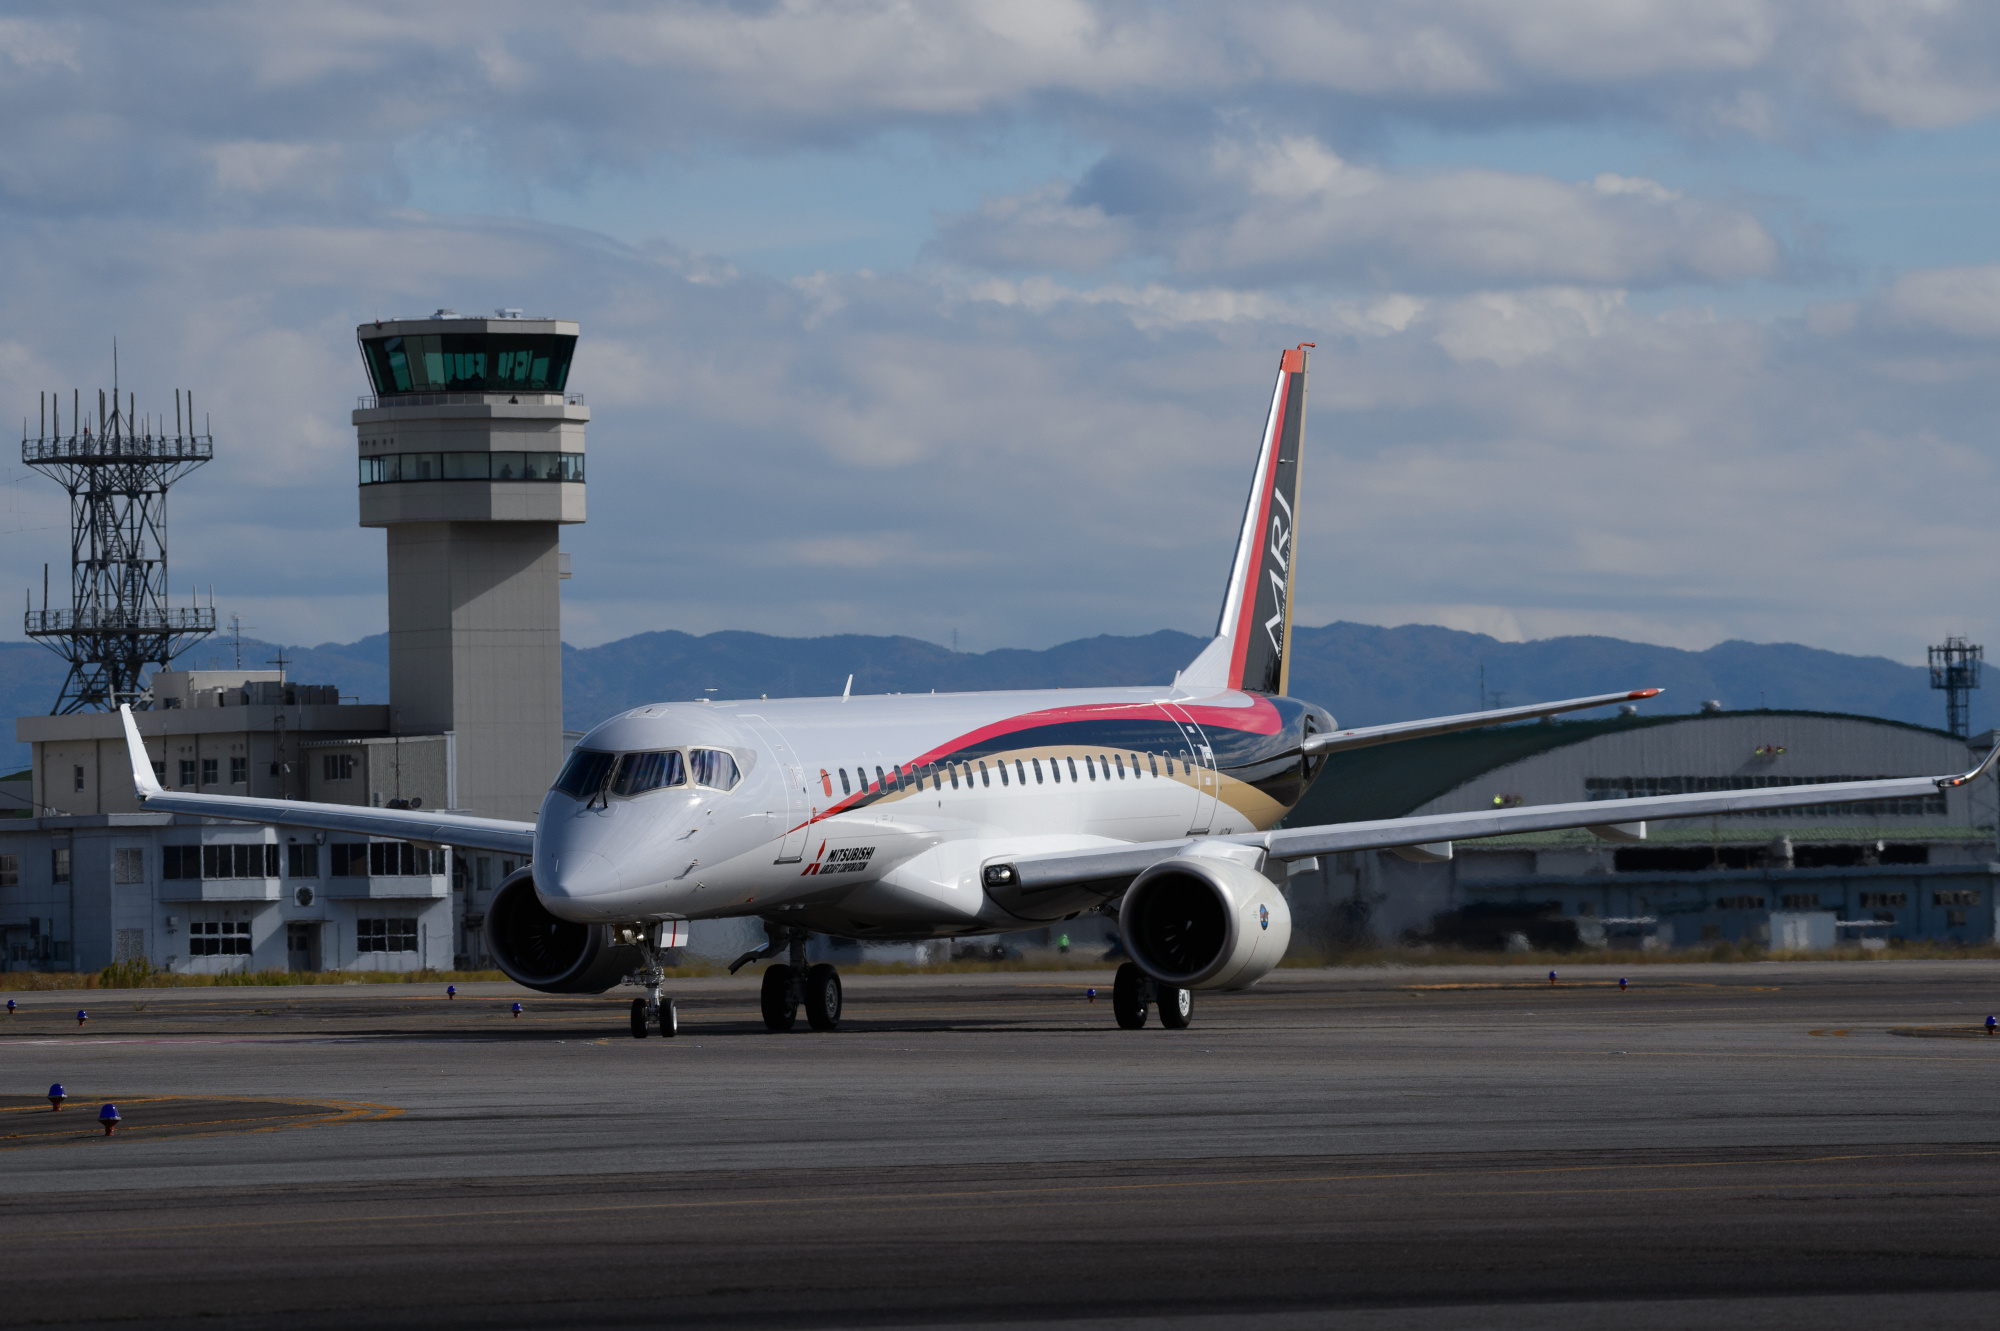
<point x="1963" y="301"/>
<point x="1290" y="210"/>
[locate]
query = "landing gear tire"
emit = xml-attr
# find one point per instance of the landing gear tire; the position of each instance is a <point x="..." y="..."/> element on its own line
<point x="1176" y="1006"/>
<point x="1128" y="997"/>
<point x="670" y="1017"/>
<point x="823" y="997"/>
<point x="638" y="1018"/>
<point x="780" y="1008"/>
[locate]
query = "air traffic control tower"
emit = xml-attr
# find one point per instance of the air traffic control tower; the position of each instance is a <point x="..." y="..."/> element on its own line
<point x="472" y="460"/>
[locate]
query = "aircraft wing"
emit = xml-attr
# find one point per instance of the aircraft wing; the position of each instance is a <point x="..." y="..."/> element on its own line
<point x="1334" y="741"/>
<point x="449" y="829"/>
<point x="1618" y="820"/>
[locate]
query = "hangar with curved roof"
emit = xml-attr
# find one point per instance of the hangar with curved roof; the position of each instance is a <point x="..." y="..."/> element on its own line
<point x="1804" y="878"/>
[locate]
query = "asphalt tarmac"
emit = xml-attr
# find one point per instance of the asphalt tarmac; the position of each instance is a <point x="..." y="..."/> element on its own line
<point x="1798" y="1145"/>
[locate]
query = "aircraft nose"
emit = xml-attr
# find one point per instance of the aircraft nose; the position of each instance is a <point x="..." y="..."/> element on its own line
<point x="582" y="874"/>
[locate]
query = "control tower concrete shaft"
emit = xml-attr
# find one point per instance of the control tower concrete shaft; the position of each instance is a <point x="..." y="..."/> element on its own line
<point x="472" y="460"/>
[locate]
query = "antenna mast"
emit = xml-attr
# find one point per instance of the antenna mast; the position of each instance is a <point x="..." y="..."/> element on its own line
<point x="119" y="621"/>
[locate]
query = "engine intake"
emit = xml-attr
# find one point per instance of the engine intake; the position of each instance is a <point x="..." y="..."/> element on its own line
<point x="1202" y="923"/>
<point x="556" y="956"/>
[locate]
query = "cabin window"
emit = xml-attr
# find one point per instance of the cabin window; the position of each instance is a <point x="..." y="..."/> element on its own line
<point x="1072" y="768"/>
<point x="984" y="779"/>
<point x="1119" y="758"/>
<point x="1091" y="768"/>
<point x="881" y="782"/>
<point x="845" y="789"/>
<point x="1055" y="769"/>
<point x="1038" y="770"/>
<point x="954" y="777"/>
<point x="1002" y="765"/>
<point x="1151" y="762"/>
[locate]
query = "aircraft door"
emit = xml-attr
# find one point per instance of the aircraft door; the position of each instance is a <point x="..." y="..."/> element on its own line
<point x="1198" y="753"/>
<point x="792" y="809"/>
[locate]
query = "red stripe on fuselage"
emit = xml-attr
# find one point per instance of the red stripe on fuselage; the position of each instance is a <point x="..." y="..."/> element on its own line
<point x="1259" y="718"/>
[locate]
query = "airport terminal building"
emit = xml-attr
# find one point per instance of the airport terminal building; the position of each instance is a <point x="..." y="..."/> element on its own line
<point x="471" y="460"/>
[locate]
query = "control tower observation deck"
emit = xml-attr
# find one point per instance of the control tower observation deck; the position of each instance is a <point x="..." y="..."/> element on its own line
<point x="472" y="460"/>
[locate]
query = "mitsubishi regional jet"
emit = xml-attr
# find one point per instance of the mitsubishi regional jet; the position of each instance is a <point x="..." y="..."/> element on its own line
<point x="922" y="816"/>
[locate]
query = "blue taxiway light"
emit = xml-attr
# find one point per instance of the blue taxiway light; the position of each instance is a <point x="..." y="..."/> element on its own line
<point x="10" y="1007"/>
<point x="1621" y="984"/>
<point x="517" y="1009"/>
<point x="57" y="1095"/>
<point x="451" y="991"/>
<point x="108" y="1116"/>
<point x="81" y="1016"/>
<point x="1090" y="994"/>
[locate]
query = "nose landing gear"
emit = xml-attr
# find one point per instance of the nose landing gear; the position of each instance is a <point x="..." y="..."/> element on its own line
<point x="653" y="1010"/>
<point x="789" y="986"/>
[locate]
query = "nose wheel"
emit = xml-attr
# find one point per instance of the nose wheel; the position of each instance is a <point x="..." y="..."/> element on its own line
<point x="653" y="1010"/>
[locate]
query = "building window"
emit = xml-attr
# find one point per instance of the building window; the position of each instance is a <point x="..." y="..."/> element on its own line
<point x="128" y="866"/>
<point x="209" y="771"/>
<point x="219" y="938"/>
<point x="482" y="873"/>
<point x="1880" y="900"/>
<point x="1954" y="898"/>
<point x="79" y="778"/>
<point x="385" y="936"/>
<point x="350" y="859"/>
<point x="238" y="861"/>
<point x="1800" y="900"/>
<point x="1954" y="918"/>
<point x="10" y="870"/>
<point x="336" y="767"/>
<point x="400" y="859"/>
<point x="302" y="860"/>
<point x="1739" y="903"/>
<point x="178" y="862"/>
<point x="187" y="772"/>
<point x="59" y="864"/>
<point x="160" y="771"/>
<point x="239" y="771"/>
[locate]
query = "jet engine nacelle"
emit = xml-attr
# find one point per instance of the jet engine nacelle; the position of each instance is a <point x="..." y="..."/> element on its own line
<point x="553" y="955"/>
<point x="1202" y="923"/>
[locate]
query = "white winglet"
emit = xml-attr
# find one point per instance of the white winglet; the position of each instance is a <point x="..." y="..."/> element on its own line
<point x="142" y="766"/>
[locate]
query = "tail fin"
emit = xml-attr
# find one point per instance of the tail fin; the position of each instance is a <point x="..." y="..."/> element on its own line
<point x="1253" y="639"/>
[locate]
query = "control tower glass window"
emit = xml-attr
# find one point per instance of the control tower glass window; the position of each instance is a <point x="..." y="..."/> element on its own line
<point x="468" y="363"/>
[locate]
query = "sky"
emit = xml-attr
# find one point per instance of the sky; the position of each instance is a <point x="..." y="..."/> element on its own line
<point x="1677" y="322"/>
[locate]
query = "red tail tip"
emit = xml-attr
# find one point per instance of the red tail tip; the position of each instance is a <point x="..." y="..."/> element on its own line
<point x="1645" y="693"/>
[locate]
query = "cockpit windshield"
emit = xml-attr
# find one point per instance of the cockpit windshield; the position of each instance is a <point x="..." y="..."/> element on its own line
<point x="589" y="772"/>
<point x="641" y="772"/>
<point x="713" y="768"/>
<point x="585" y="772"/>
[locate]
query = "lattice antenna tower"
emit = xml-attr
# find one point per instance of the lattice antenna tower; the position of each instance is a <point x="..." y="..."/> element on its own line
<point x="1955" y="672"/>
<point x="117" y="476"/>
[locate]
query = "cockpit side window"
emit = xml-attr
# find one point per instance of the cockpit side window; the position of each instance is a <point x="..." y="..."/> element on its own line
<point x="641" y="772"/>
<point x="713" y="768"/>
<point x="583" y="775"/>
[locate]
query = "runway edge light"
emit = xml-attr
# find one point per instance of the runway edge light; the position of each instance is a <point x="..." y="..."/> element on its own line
<point x="108" y="1116"/>
<point x="57" y="1095"/>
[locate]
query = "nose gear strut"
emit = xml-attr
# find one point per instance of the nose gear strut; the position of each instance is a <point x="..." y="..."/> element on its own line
<point x="652" y="1010"/>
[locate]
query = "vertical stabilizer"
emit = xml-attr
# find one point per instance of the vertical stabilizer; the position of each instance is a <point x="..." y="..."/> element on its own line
<point x="1253" y="638"/>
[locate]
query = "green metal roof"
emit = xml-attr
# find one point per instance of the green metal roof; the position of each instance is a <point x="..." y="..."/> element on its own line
<point x="1391" y="780"/>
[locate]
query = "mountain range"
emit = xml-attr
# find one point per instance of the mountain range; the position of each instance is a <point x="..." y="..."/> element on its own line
<point x="1362" y="673"/>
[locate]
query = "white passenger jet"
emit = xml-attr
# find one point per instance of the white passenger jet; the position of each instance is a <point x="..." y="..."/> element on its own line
<point x="920" y="816"/>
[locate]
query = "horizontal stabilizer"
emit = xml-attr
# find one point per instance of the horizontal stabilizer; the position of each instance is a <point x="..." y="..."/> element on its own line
<point x="1369" y="736"/>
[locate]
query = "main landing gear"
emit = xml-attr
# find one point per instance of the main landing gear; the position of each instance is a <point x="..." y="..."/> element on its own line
<point x="793" y="984"/>
<point x="1133" y="993"/>
<point x="652" y="1010"/>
